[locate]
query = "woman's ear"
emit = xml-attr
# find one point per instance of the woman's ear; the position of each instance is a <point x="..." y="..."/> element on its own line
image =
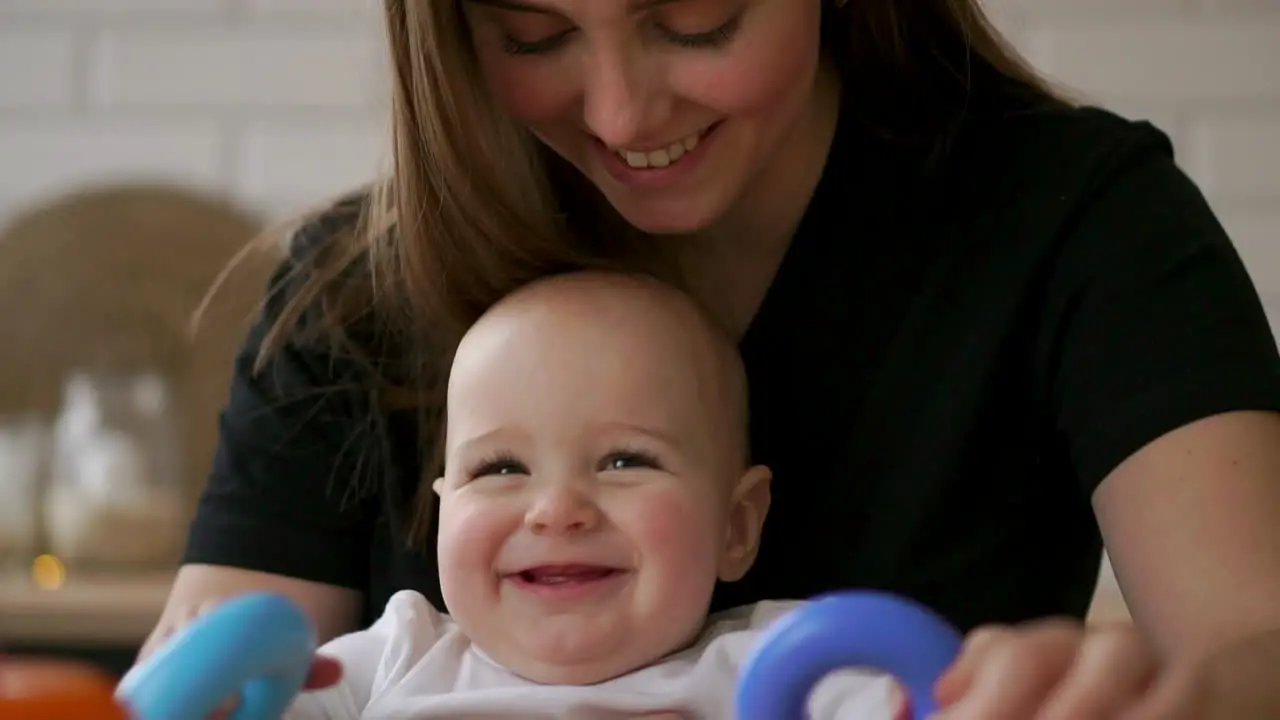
<point x="747" y="509"/>
<point x="437" y="485"/>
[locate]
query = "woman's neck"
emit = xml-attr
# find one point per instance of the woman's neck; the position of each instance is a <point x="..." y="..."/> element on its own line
<point x="730" y="266"/>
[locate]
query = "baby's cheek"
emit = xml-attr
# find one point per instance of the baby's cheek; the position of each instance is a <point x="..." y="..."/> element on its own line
<point x="679" y="535"/>
<point x="470" y="538"/>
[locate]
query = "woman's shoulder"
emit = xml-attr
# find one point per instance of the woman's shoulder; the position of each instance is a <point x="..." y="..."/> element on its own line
<point x="1063" y="149"/>
<point x="321" y="278"/>
<point x="1062" y="127"/>
<point x="318" y="237"/>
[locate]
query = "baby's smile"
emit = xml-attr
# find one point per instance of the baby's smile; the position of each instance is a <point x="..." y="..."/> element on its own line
<point x="569" y="582"/>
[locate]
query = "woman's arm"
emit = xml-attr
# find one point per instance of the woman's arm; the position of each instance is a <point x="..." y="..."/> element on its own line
<point x="292" y="493"/>
<point x="333" y="610"/>
<point x="1192" y="524"/>
<point x="1164" y="381"/>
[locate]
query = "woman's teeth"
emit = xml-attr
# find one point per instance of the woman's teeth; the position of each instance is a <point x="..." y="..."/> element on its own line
<point x="660" y="158"/>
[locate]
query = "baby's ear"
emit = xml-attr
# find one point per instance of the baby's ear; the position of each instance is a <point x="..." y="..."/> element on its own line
<point x="748" y="507"/>
<point x="437" y="485"/>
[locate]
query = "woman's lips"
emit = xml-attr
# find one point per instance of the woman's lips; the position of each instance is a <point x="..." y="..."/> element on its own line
<point x="675" y="173"/>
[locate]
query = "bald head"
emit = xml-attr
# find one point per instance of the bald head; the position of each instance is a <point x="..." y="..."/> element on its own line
<point x="634" y="338"/>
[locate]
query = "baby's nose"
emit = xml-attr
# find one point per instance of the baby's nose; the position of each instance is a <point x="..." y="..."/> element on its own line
<point x="563" y="510"/>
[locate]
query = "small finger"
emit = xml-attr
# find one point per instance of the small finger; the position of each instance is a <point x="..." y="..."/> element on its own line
<point x="1112" y="670"/>
<point x="325" y="672"/>
<point x="899" y="701"/>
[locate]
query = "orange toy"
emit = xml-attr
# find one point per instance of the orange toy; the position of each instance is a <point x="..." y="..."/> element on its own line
<point x="36" y="689"/>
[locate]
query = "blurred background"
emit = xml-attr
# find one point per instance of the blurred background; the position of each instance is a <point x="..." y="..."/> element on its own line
<point x="143" y="142"/>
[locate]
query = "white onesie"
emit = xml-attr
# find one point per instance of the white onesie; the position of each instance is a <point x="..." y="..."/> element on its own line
<point x="414" y="663"/>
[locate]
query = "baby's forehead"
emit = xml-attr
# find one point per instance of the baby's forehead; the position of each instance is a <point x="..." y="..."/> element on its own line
<point x="647" y="341"/>
<point x="622" y="309"/>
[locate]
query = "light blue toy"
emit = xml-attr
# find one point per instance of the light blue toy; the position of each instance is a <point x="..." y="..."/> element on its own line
<point x="259" y="645"/>
<point x="262" y="646"/>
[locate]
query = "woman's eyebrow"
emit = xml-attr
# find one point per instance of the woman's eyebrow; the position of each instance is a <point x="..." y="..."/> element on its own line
<point x="515" y="6"/>
<point x="532" y="7"/>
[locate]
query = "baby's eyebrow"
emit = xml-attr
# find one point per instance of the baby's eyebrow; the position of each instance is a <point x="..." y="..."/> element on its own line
<point x="662" y="436"/>
<point x="486" y="439"/>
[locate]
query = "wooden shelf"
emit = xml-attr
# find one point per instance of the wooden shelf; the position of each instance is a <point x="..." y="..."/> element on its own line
<point x="105" y="610"/>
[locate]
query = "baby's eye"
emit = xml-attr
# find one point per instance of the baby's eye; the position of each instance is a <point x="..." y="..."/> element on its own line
<point x="630" y="460"/>
<point x="499" y="466"/>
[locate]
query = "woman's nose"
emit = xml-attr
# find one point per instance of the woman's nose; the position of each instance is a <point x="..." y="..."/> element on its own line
<point x="563" y="509"/>
<point x="622" y="98"/>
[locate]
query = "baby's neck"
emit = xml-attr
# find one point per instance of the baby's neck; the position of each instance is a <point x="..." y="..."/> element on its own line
<point x="588" y="675"/>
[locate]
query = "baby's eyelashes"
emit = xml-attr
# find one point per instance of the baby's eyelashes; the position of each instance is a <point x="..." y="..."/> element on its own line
<point x="630" y="460"/>
<point x="507" y="465"/>
<point x="502" y="464"/>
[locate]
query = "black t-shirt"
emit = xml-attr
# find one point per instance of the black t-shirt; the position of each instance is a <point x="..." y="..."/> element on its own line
<point x="952" y="357"/>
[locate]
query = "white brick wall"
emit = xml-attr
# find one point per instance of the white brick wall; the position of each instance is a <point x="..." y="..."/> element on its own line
<point x="274" y="102"/>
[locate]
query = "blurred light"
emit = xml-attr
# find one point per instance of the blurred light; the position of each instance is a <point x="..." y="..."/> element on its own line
<point x="48" y="572"/>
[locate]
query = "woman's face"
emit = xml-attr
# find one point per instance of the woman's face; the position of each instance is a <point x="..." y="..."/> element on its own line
<point x="671" y="107"/>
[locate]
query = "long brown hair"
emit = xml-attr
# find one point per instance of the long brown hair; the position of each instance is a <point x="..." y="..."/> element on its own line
<point x="474" y="207"/>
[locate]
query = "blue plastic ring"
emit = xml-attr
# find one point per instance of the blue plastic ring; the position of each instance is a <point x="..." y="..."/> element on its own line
<point x="845" y="630"/>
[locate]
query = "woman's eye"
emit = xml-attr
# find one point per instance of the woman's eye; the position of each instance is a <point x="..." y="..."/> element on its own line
<point x="712" y="39"/>
<point x="630" y="461"/>
<point x="708" y="40"/>
<point x="543" y="46"/>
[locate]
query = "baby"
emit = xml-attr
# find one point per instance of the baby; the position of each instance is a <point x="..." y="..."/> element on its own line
<point x="596" y="487"/>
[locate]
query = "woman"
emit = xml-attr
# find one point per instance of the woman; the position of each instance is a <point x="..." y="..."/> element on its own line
<point x="979" y="324"/>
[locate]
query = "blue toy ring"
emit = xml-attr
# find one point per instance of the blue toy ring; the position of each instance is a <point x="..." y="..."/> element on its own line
<point x="844" y="630"/>
<point x="258" y="645"/>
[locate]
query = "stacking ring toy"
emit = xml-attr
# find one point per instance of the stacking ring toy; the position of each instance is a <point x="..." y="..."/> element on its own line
<point x="845" y="630"/>
<point x="259" y="646"/>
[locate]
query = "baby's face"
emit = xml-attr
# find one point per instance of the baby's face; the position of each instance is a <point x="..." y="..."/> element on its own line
<point x="594" y="490"/>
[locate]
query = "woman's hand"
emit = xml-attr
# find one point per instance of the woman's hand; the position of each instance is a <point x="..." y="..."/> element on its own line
<point x="1062" y="669"/>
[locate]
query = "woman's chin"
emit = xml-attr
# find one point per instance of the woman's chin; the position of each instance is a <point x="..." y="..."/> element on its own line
<point x="667" y="219"/>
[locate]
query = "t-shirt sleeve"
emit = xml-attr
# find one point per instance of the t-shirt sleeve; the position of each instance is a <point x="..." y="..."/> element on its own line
<point x="1153" y="321"/>
<point x="284" y="494"/>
